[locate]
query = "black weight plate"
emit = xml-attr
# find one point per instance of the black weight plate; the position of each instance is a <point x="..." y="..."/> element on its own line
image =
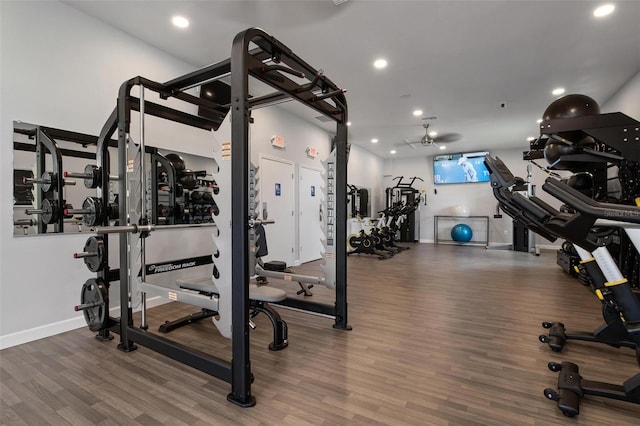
<point x="94" y="206"/>
<point x="50" y="211"/>
<point x="94" y="245"/>
<point x="49" y="181"/>
<point x="94" y="172"/>
<point x="94" y="291"/>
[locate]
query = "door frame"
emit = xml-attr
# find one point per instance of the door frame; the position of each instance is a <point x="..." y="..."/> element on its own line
<point x="315" y="169"/>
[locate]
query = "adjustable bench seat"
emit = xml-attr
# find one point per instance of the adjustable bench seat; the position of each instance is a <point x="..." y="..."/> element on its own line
<point x="258" y="293"/>
<point x="259" y="298"/>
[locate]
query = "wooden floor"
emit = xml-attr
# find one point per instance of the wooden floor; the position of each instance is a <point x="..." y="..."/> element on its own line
<point x="441" y="335"/>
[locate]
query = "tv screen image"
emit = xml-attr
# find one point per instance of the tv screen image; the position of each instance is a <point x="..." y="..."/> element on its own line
<point x="460" y="168"/>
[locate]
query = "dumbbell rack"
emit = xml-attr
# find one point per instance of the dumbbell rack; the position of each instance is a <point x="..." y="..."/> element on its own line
<point x="171" y="203"/>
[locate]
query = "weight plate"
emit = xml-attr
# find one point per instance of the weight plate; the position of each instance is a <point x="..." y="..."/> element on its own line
<point x="50" y="211"/>
<point x="94" y="172"/>
<point x="94" y="293"/>
<point x="94" y="245"/>
<point x="48" y="181"/>
<point x="94" y="206"/>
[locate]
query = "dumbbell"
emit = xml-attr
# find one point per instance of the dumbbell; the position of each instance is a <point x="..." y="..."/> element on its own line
<point x="94" y="212"/>
<point x="92" y="176"/>
<point x="47" y="181"/>
<point x="177" y="211"/>
<point x="92" y="253"/>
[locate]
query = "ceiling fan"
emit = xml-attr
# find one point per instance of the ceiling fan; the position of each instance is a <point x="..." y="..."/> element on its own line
<point x="431" y="139"/>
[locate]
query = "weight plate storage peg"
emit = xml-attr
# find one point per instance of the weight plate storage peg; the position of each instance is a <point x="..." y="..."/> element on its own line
<point x="94" y="302"/>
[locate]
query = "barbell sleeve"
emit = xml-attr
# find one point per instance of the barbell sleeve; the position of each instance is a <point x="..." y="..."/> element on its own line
<point x="67" y="212"/>
<point x="46" y="182"/>
<point x="85" y="175"/>
<point x="34" y="211"/>
<point x="24" y="222"/>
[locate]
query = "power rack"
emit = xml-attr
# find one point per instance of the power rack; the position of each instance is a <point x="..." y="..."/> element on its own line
<point x="274" y="64"/>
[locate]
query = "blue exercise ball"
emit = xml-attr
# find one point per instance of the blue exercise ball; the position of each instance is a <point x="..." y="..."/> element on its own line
<point x="461" y="233"/>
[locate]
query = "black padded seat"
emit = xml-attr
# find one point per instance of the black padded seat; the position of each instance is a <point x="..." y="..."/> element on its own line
<point x="257" y="293"/>
<point x="275" y="265"/>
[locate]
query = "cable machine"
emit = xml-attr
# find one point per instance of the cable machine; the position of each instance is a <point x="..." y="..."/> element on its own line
<point x="406" y="194"/>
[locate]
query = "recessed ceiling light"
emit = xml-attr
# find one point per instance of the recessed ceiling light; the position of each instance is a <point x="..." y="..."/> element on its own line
<point x="180" y="21"/>
<point x="393" y="151"/>
<point x="604" y="10"/>
<point x="531" y="138"/>
<point x="348" y="123"/>
<point x="417" y="112"/>
<point x="374" y="140"/>
<point x="380" y="63"/>
<point x="208" y="93"/>
<point x="539" y="120"/>
<point x="558" y="91"/>
<point x="443" y="147"/>
<point x="433" y="134"/>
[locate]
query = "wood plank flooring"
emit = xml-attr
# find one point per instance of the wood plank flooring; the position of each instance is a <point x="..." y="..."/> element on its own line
<point x="442" y="335"/>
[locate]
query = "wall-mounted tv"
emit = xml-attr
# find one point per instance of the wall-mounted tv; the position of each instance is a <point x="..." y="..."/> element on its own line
<point x="466" y="167"/>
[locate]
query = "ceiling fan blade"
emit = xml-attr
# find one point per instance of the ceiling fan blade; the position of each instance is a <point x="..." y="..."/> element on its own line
<point x="411" y="144"/>
<point x="447" y="137"/>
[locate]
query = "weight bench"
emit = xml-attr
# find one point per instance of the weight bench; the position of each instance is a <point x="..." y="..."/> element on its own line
<point x="259" y="297"/>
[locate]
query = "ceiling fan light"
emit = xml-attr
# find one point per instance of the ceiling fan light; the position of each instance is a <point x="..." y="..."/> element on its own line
<point x="433" y="134"/>
<point x="604" y="10"/>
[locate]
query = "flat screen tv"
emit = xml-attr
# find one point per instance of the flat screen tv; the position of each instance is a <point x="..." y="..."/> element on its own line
<point x="466" y="167"/>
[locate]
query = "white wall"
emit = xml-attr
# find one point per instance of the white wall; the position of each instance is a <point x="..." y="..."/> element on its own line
<point x="62" y="69"/>
<point x="478" y="197"/>
<point x="366" y="170"/>
<point x="626" y="99"/>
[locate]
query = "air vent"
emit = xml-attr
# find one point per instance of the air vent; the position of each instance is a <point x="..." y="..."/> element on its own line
<point x="323" y="118"/>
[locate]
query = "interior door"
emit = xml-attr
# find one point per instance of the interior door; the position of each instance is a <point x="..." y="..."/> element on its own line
<point x="276" y="182"/>
<point x="310" y="195"/>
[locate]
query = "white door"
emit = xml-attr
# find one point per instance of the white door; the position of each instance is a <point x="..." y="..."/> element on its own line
<point x="310" y="194"/>
<point x="276" y="182"/>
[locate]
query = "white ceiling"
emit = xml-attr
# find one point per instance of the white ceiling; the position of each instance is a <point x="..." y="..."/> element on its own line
<point x="458" y="60"/>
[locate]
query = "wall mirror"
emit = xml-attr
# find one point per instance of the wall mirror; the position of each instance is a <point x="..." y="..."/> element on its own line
<point x="55" y="183"/>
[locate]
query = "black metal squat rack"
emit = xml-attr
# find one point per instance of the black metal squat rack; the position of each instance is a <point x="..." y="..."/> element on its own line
<point x="274" y="64"/>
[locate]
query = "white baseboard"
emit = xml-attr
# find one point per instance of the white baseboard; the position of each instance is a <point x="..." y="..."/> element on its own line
<point x="37" y="333"/>
<point x="426" y="241"/>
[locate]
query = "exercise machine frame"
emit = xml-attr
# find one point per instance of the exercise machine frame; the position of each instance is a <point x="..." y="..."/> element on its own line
<point x="319" y="93"/>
